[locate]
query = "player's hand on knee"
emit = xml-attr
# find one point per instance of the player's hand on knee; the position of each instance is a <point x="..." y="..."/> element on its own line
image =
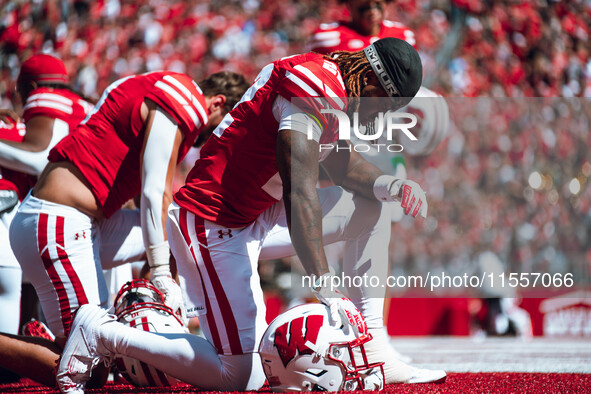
<point x="173" y="296"/>
<point x="412" y="197"/>
<point x="342" y="310"/>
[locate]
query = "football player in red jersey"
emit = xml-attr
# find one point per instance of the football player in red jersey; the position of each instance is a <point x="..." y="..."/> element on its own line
<point x="367" y="25"/>
<point x="51" y="109"/>
<point x="128" y="145"/>
<point x="230" y="212"/>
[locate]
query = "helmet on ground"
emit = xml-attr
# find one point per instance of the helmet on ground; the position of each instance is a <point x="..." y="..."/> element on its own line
<point x="302" y="351"/>
<point x="140" y="304"/>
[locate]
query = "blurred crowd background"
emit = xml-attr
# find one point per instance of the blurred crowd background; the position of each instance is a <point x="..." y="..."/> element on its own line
<point x="508" y="191"/>
<point x="537" y="48"/>
<point x="511" y="182"/>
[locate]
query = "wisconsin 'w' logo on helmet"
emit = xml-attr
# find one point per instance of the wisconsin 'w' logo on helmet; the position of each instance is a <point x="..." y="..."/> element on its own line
<point x="301" y="351"/>
<point x="298" y="337"/>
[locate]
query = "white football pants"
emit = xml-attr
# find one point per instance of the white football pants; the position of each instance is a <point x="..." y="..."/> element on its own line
<point x="60" y="251"/>
<point x="219" y="267"/>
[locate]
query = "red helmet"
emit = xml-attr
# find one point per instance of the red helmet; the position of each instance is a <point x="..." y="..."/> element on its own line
<point x="43" y="68"/>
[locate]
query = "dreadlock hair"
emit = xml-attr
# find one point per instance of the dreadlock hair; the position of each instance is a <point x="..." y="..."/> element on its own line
<point x="230" y="84"/>
<point x="353" y="66"/>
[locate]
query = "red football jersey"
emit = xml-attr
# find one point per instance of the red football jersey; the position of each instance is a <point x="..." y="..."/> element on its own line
<point x="14" y="131"/>
<point x="10" y="132"/>
<point x="53" y="103"/>
<point x="107" y="146"/>
<point x="342" y="37"/>
<point x="57" y="104"/>
<point x="236" y="177"/>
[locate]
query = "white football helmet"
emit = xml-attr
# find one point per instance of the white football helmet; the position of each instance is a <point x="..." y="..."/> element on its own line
<point x="301" y="351"/>
<point x="140" y="304"/>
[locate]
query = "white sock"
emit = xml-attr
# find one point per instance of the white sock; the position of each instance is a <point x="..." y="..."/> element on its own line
<point x="379" y="349"/>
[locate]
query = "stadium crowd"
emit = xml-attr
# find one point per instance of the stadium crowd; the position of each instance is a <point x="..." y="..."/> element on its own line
<point x="512" y="179"/>
<point x="477" y="181"/>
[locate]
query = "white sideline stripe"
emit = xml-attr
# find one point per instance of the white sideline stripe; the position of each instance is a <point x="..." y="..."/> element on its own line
<point x="504" y="354"/>
<point x="301" y="84"/>
<point x="51" y="96"/>
<point x="175" y="95"/>
<point x="104" y="97"/>
<point x="189" y="95"/>
<point x="49" y="104"/>
<point x="308" y="73"/>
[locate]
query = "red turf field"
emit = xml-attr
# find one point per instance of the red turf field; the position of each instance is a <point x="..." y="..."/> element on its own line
<point x="534" y="364"/>
<point x="496" y="382"/>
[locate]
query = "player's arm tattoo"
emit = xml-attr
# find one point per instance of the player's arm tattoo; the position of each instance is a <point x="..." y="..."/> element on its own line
<point x="297" y="162"/>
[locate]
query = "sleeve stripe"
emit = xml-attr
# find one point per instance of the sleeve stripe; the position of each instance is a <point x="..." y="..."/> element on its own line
<point x="340" y="78"/>
<point x="197" y="87"/>
<point x="388" y="23"/>
<point x="173" y="81"/>
<point x="310" y="76"/>
<point x="331" y="25"/>
<point x="49" y="104"/>
<point x="176" y="96"/>
<point x="320" y="84"/>
<point x="326" y="35"/>
<point x="336" y="99"/>
<point x="325" y="43"/>
<point x="51" y="96"/>
<point x="303" y="85"/>
<point x="201" y="110"/>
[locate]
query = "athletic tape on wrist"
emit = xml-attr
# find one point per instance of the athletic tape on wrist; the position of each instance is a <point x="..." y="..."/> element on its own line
<point x="158" y="255"/>
<point x="381" y="187"/>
